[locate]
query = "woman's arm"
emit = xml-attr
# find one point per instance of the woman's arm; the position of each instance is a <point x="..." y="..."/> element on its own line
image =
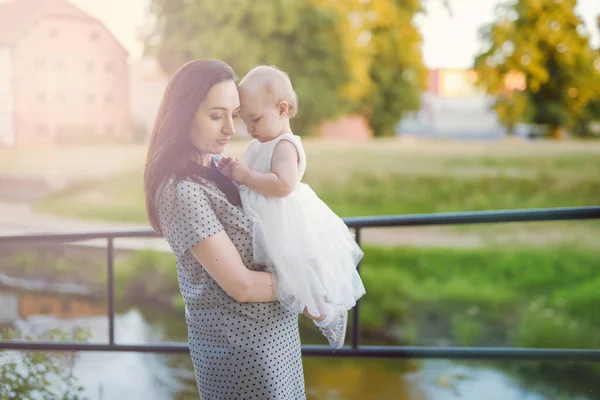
<point x="278" y="183"/>
<point x="219" y="257"/>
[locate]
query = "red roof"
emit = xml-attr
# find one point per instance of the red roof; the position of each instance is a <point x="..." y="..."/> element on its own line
<point x="17" y="17"/>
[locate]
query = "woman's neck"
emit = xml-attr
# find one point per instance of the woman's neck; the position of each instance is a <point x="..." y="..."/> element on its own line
<point x="206" y="160"/>
<point x="203" y="159"/>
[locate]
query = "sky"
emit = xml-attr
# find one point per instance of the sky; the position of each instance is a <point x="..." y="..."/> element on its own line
<point x="449" y="41"/>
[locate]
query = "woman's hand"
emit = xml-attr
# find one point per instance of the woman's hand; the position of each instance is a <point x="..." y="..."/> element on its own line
<point x="234" y="169"/>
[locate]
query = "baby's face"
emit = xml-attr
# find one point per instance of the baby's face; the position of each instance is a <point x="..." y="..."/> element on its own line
<point x="259" y="113"/>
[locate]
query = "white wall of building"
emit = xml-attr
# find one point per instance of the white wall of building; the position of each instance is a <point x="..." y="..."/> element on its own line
<point x="7" y="108"/>
<point x="148" y="85"/>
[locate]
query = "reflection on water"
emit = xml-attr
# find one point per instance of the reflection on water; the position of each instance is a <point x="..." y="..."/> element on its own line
<point x="17" y="305"/>
<point x="158" y="377"/>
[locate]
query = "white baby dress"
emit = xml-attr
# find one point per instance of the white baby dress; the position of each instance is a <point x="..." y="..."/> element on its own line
<point x="306" y="246"/>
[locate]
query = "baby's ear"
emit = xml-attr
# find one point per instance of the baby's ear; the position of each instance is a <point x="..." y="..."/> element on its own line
<point x="284" y="108"/>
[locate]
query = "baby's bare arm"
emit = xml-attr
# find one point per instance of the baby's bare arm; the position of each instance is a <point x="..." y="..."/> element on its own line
<point x="280" y="182"/>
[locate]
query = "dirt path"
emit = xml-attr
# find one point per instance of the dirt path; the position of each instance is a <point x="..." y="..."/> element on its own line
<point x="20" y="219"/>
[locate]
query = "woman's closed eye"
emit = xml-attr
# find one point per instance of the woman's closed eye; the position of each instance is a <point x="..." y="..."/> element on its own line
<point x="218" y="117"/>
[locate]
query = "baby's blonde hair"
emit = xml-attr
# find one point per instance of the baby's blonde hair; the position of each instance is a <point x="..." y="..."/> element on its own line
<point x="274" y="82"/>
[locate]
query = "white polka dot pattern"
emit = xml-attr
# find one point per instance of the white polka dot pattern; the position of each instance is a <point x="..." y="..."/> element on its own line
<point x="239" y="350"/>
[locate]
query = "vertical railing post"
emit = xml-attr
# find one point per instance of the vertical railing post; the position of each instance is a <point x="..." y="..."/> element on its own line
<point x="356" y="321"/>
<point x="110" y="254"/>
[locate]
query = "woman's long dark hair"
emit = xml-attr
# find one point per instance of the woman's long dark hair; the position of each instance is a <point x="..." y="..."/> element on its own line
<point x="170" y="146"/>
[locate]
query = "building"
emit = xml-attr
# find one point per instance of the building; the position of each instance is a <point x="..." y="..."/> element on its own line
<point x="148" y="84"/>
<point x="32" y="304"/>
<point x="64" y="77"/>
<point x="18" y="304"/>
<point x="454" y="82"/>
<point x="347" y="127"/>
<point x="453" y="106"/>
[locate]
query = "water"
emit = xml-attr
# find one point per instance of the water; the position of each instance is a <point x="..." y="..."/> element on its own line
<point x="154" y="376"/>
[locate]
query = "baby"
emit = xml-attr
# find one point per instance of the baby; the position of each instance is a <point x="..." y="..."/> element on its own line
<point x="308" y="248"/>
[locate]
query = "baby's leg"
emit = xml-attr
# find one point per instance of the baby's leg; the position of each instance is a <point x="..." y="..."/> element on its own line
<point x="331" y="322"/>
<point x="322" y="308"/>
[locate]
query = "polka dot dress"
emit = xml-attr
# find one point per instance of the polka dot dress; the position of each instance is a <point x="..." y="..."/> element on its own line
<point x="239" y="350"/>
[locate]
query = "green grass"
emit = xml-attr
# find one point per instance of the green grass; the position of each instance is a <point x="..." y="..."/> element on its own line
<point x="534" y="297"/>
<point x="143" y="276"/>
<point x="148" y="276"/>
<point x="391" y="177"/>
<point x="489" y="277"/>
<point x="395" y="193"/>
<point x="119" y="198"/>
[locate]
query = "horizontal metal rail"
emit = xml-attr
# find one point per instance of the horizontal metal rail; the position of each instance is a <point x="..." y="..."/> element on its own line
<point x="355" y="349"/>
<point x="458" y="218"/>
<point x="457" y="353"/>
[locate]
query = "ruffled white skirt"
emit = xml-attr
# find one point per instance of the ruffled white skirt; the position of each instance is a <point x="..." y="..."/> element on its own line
<point x="310" y="251"/>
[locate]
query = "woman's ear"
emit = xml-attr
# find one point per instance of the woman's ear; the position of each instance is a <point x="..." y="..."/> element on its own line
<point x="283" y="107"/>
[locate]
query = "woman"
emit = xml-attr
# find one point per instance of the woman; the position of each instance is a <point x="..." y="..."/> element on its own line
<point x="243" y="344"/>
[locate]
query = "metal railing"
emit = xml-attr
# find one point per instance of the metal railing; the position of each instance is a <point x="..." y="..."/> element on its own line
<point x="355" y="349"/>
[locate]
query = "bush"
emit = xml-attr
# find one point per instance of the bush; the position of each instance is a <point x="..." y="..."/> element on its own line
<point x="35" y="374"/>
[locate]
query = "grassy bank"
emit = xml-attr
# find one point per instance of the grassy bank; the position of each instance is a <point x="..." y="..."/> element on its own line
<point x="140" y="277"/>
<point x="530" y="297"/>
<point x="521" y="297"/>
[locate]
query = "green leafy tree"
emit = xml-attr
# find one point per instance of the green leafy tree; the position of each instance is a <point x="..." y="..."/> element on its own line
<point x="512" y="108"/>
<point x="397" y="68"/>
<point x="386" y="66"/>
<point x="296" y="35"/>
<point x="591" y="115"/>
<point x="542" y="40"/>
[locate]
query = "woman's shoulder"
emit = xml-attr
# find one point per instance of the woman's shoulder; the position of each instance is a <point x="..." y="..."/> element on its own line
<point x="181" y="184"/>
<point x="175" y="189"/>
<point x="180" y="196"/>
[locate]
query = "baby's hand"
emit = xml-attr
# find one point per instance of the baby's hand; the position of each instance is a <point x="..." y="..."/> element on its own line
<point x="224" y="166"/>
<point x="234" y="169"/>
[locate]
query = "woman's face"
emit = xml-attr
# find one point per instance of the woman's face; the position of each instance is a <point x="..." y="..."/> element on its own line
<point x="214" y="122"/>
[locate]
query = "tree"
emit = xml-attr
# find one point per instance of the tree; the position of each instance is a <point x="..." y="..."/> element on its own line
<point x="386" y="65"/>
<point x="316" y="63"/>
<point x="544" y="41"/>
<point x="40" y="375"/>
<point x="296" y="35"/>
<point x="511" y="108"/>
<point x="591" y="114"/>
<point x="397" y="69"/>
